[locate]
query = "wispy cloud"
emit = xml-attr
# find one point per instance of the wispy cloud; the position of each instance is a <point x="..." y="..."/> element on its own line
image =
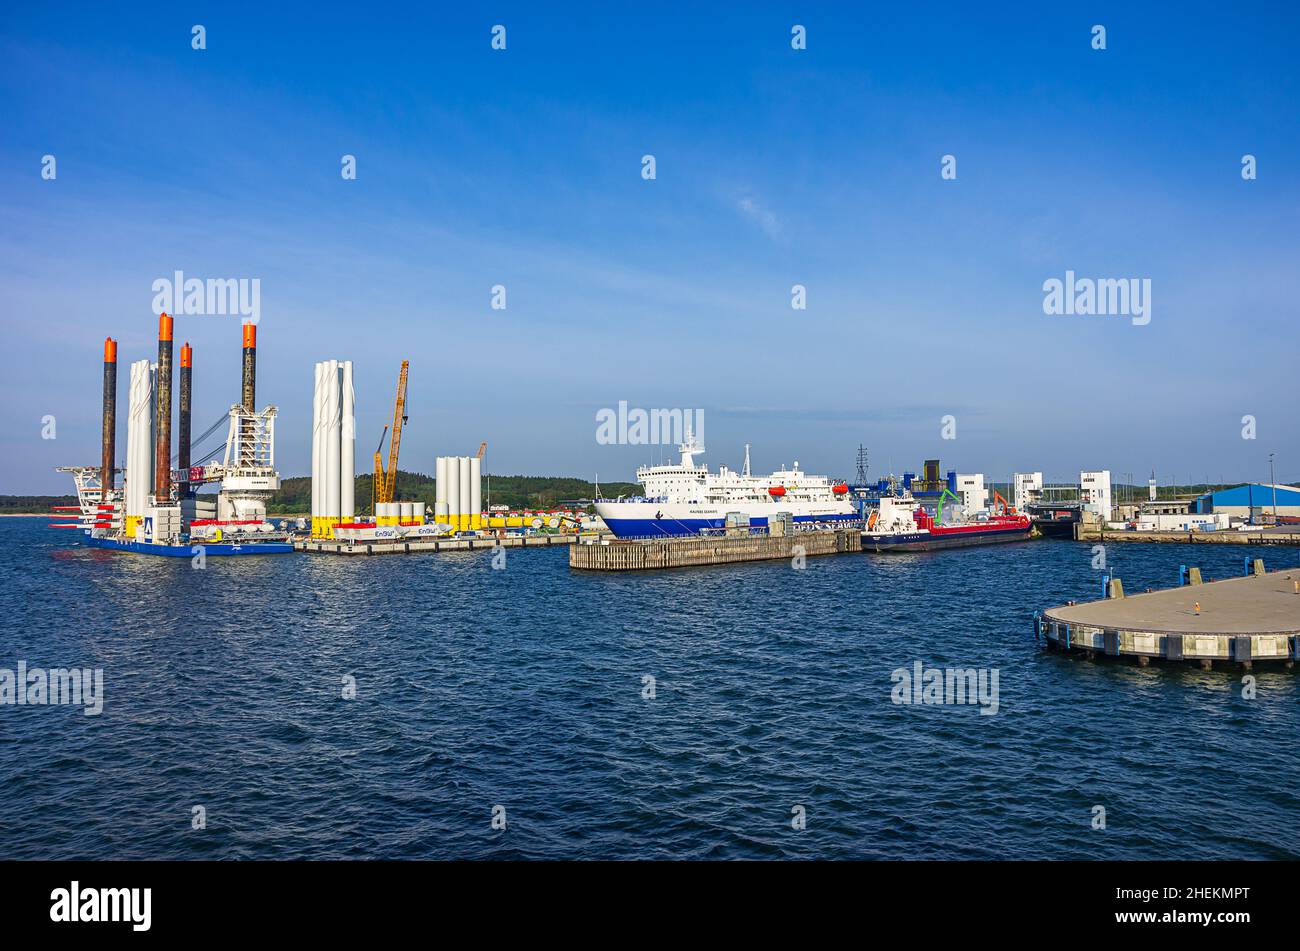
<point x="760" y="215"/>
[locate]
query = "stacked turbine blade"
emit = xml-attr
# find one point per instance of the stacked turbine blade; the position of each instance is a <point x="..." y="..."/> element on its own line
<point x="333" y="480"/>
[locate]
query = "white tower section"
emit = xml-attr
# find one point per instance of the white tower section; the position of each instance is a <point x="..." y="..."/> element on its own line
<point x="317" y="445"/>
<point x="453" y="492"/>
<point x="466" y="511"/>
<point x="139" y="442"/>
<point x="439" y="485"/>
<point x="1094" y="492"/>
<point x="348" y="447"/>
<point x="475" y="493"/>
<point x="333" y="469"/>
<point x="333" y="407"/>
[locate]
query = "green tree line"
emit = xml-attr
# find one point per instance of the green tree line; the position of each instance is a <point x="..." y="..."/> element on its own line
<point x="517" y="491"/>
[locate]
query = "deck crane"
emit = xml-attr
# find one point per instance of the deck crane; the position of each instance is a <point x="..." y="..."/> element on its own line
<point x="943" y="496"/>
<point x="385" y="482"/>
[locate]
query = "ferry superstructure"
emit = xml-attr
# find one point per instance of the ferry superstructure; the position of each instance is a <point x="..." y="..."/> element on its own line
<point x="685" y="498"/>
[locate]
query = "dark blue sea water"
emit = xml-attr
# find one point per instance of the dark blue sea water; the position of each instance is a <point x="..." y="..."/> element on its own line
<point x="522" y="688"/>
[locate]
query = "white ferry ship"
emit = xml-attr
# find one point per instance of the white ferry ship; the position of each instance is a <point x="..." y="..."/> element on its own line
<point x="682" y="499"/>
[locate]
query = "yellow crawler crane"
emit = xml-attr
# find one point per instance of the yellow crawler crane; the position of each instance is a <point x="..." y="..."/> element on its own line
<point x="383" y="483"/>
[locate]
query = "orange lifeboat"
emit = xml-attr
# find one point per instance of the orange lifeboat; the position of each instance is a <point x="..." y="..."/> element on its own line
<point x="776" y="491"/>
<point x="840" y="489"/>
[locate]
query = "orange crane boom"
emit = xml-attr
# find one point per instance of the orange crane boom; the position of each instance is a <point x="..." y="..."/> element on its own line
<point x="399" y="417"/>
<point x="377" y="480"/>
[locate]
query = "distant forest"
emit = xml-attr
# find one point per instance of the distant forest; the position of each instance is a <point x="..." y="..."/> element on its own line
<point x="518" y="491"/>
<point x="39" y="504"/>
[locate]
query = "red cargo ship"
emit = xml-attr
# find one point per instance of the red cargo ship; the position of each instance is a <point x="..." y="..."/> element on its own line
<point x="900" y="524"/>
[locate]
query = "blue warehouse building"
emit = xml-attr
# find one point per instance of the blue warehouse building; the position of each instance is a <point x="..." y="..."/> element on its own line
<point x="1252" y="500"/>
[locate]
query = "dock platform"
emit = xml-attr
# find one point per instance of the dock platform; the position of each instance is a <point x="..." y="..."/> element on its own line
<point x="1281" y="535"/>
<point x="329" y="546"/>
<point x="694" y="550"/>
<point x="1239" y="620"/>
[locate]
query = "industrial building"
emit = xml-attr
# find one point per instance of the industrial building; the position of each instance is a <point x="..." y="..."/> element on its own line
<point x="930" y="484"/>
<point x="1027" y="488"/>
<point x="974" y="496"/>
<point x="1252" y="501"/>
<point x="1094" y="492"/>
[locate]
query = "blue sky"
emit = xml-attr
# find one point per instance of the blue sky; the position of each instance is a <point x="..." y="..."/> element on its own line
<point x="775" y="167"/>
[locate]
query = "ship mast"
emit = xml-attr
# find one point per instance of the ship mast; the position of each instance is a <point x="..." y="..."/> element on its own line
<point x="689" y="447"/>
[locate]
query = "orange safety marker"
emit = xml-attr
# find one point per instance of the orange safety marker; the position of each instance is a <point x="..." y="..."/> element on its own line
<point x="1198" y="607"/>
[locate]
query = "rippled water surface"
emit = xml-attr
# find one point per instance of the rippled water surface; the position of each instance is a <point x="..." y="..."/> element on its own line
<point x="523" y="688"/>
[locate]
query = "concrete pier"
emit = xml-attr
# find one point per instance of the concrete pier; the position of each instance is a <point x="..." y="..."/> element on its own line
<point x="329" y="546"/>
<point x="1280" y="535"/>
<point x="1240" y="620"/>
<point x="694" y="550"/>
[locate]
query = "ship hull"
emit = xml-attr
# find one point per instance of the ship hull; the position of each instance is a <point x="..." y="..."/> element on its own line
<point x="209" y="549"/>
<point x="929" y="541"/>
<point x="668" y="519"/>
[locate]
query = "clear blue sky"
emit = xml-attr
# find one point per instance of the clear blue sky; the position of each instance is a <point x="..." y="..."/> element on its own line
<point x="775" y="167"/>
